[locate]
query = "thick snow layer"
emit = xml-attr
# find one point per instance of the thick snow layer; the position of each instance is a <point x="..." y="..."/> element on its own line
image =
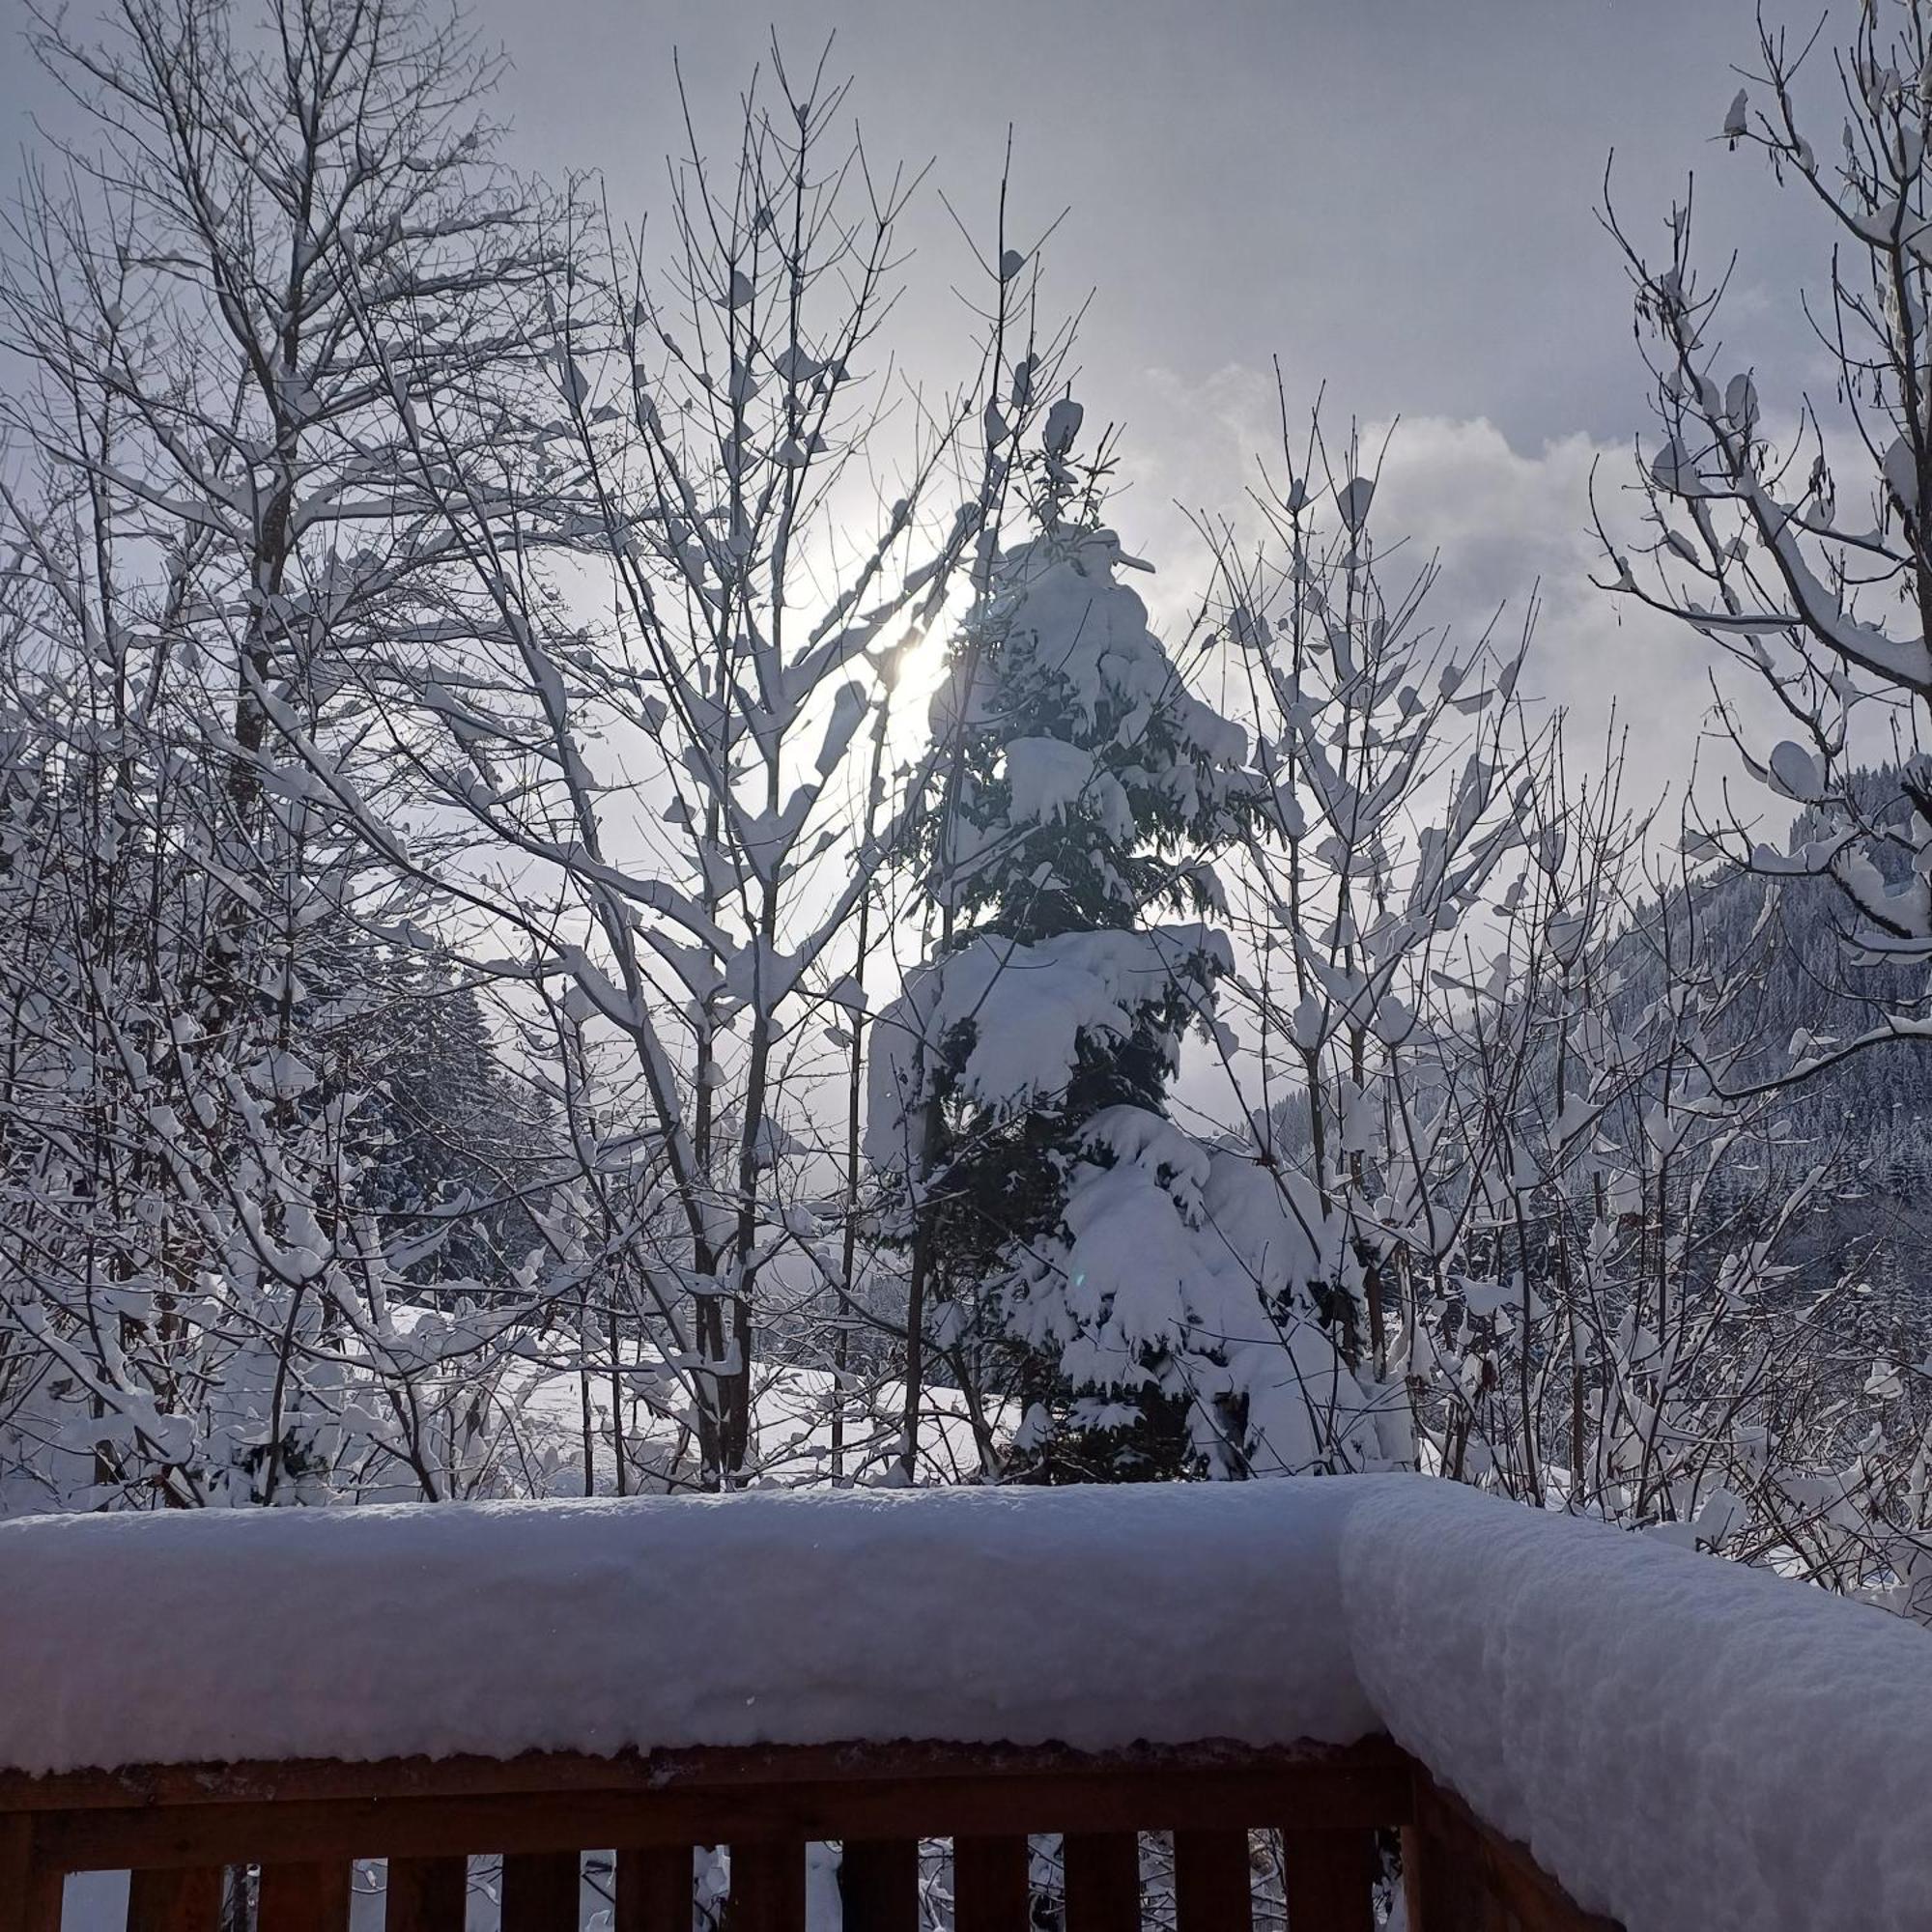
<point x="1048" y="778"/>
<point x="1096" y="1617"/>
<point x="1030" y="1008"/>
<point x="1680" y="1740"/>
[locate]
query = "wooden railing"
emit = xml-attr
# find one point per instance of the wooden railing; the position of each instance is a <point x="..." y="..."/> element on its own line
<point x="1326" y="1820"/>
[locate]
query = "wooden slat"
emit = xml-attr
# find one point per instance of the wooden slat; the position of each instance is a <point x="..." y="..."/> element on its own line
<point x="304" y="1898"/>
<point x="30" y="1894"/>
<point x="1212" y="1882"/>
<point x="654" y="1888"/>
<point x="1103" y="1881"/>
<point x="187" y="1900"/>
<point x="767" y="1887"/>
<point x="1328" y="1881"/>
<point x="426" y="1895"/>
<point x="540" y="1891"/>
<point x="1442" y="1895"/>
<point x="878" y="1885"/>
<point x="990" y="1888"/>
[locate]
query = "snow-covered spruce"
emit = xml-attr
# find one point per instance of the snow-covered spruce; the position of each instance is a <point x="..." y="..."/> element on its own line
<point x="1067" y="1226"/>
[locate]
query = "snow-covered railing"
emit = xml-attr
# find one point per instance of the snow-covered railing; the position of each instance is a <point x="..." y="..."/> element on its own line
<point x="1532" y="1702"/>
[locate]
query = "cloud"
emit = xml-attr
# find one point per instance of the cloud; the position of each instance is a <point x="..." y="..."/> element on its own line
<point x="1510" y="526"/>
<point x="1507" y="527"/>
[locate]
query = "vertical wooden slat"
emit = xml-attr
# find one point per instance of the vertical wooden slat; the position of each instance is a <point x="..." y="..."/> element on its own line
<point x="654" y="1890"/>
<point x="1443" y="1893"/>
<point x="1103" y="1881"/>
<point x="767" y="1887"/>
<point x="878" y="1885"/>
<point x="303" y="1899"/>
<point x="540" y="1891"/>
<point x="1328" y="1881"/>
<point x="990" y="1884"/>
<point x="175" y="1901"/>
<point x="1414" y="1881"/>
<point x="1212" y="1882"/>
<point x="426" y="1895"/>
<point x="30" y="1897"/>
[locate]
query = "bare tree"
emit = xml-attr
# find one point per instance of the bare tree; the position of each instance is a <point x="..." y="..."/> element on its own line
<point x="1795" y="542"/>
<point x="252" y="255"/>
<point x="672" y="752"/>
<point x="1396" y="770"/>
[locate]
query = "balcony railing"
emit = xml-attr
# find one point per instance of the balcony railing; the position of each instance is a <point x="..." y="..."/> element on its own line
<point x="1192" y="1708"/>
<point x="1177" y="1836"/>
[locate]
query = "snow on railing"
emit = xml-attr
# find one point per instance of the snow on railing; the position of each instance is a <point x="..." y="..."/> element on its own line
<point x="1677" y="1741"/>
<point x="1681" y="1740"/>
<point x="1092" y="1617"/>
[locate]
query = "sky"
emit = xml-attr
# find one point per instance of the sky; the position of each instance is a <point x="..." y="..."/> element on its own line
<point x="1395" y="198"/>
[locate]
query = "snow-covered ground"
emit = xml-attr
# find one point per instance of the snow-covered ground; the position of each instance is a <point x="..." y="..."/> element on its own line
<point x="1681" y="1740"/>
<point x="527" y="1413"/>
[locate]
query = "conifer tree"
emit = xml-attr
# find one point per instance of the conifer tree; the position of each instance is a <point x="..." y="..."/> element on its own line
<point x="455" y="1147"/>
<point x="1021" y="1080"/>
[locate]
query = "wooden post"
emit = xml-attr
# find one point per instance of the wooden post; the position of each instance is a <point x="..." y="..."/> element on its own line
<point x="30" y="1895"/>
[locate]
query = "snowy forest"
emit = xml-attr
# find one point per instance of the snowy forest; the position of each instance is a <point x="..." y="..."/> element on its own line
<point x="602" y="894"/>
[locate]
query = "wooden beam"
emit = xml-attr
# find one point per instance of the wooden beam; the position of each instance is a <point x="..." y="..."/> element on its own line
<point x="984" y="1805"/>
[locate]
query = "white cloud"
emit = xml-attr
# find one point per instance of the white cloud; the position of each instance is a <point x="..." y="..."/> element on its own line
<point x="1507" y="525"/>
